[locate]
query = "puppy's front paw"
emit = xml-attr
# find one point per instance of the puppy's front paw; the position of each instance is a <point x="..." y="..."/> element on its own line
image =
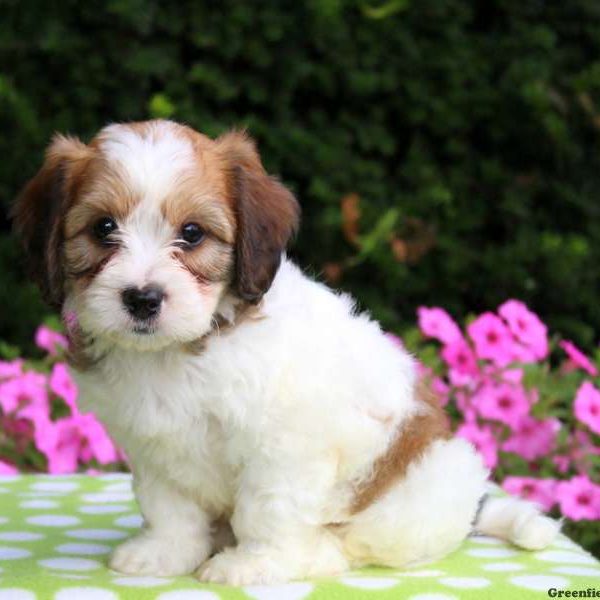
<point x="238" y="567"/>
<point x="147" y="554"/>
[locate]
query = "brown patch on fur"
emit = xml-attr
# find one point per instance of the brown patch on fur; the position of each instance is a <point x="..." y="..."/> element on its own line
<point x="39" y="213"/>
<point x="267" y="216"/>
<point x="411" y="441"/>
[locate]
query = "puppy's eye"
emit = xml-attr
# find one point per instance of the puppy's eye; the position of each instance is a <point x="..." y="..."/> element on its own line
<point x="192" y="234"/>
<point x="103" y="228"/>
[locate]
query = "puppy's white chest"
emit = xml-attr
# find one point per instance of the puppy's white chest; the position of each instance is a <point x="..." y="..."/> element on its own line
<point x="153" y="407"/>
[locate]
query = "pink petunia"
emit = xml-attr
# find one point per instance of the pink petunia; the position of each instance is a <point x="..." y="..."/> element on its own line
<point x="97" y="443"/>
<point x="578" y="358"/>
<point x="579" y="498"/>
<point x="502" y="402"/>
<point x="438" y="324"/>
<point x="13" y="368"/>
<point x="49" y="340"/>
<point x="20" y="391"/>
<point x="561" y="462"/>
<point x="492" y="338"/>
<point x="532" y="438"/>
<point x="587" y="406"/>
<point x="483" y="439"/>
<point x="459" y="356"/>
<point x="7" y="469"/>
<point x="526" y="326"/>
<point x="63" y="385"/>
<point x="540" y="491"/>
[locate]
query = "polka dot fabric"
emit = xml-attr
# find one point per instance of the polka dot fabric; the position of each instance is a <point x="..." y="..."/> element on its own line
<point x="56" y="534"/>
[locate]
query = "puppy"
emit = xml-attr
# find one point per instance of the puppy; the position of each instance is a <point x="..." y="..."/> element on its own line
<point x="273" y="432"/>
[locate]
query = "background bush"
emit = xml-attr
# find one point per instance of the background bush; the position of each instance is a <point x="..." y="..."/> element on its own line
<point x="444" y="151"/>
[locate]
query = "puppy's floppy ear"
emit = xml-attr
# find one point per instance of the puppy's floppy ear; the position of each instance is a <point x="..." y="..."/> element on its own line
<point x="39" y="213"/>
<point x="267" y="216"/>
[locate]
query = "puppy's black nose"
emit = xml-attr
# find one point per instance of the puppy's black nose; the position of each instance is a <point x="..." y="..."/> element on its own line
<point x="144" y="303"/>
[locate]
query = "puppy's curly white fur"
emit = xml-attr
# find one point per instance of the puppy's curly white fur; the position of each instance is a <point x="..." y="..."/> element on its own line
<point x="262" y="416"/>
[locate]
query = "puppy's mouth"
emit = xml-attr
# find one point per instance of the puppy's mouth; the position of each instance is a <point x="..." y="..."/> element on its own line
<point x="144" y="328"/>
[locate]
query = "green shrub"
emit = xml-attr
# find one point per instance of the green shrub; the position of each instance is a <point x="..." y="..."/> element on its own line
<point x="468" y="130"/>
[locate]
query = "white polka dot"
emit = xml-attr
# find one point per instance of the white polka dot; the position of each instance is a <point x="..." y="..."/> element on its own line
<point x="131" y="521"/>
<point x="70" y="564"/>
<point x="187" y="595"/>
<point x="422" y="573"/>
<point x="540" y="583"/>
<point x="3" y="520"/>
<point x="39" y="504"/>
<point x="485" y="539"/>
<point x="42" y="495"/>
<point x="20" y="536"/>
<point x="83" y="549"/>
<point x="16" y="594"/>
<point x="369" y="583"/>
<point x="7" y="553"/>
<point x="88" y="593"/>
<point x="491" y="552"/>
<point x="96" y="534"/>
<point x="503" y="566"/>
<point x="289" y="591"/>
<point x="70" y="576"/>
<point x="53" y="520"/>
<point x="54" y="486"/>
<point x="3" y="491"/>
<point x="9" y="478"/>
<point x="115" y="477"/>
<point x="583" y="571"/>
<point x="465" y="582"/>
<point x="103" y="509"/>
<point x="120" y="486"/>
<point x="140" y="581"/>
<point x="433" y="596"/>
<point x="108" y="497"/>
<point x="562" y="556"/>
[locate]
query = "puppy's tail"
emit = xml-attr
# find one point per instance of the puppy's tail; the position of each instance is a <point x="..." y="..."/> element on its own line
<point x="517" y="521"/>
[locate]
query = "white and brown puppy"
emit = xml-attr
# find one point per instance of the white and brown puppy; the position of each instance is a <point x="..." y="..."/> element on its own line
<point x="244" y="393"/>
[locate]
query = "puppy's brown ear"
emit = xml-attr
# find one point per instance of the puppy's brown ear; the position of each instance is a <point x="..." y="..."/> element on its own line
<point x="267" y="217"/>
<point x="39" y="213"/>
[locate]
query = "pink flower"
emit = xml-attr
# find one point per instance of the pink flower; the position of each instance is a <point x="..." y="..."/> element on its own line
<point x="578" y="358"/>
<point x="23" y="390"/>
<point x="10" y="369"/>
<point x="441" y="389"/>
<point x="63" y="385"/>
<point x="532" y="438"/>
<point x="61" y="443"/>
<point x="579" y="498"/>
<point x="526" y="327"/>
<point x="459" y="356"/>
<point x="48" y="340"/>
<point x="7" y="469"/>
<point x="484" y="441"/>
<point x="587" y="406"/>
<point x="492" y="338"/>
<point x="502" y="402"/>
<point x="438" y="324"/>
<point x="540" y="491"/>
<point x="561" y="462"/>
<point x="97" y="443"/>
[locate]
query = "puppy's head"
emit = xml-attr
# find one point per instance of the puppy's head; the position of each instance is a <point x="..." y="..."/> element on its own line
<point x="145" y="231"/>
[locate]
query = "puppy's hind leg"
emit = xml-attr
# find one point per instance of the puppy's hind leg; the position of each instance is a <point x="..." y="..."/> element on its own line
<point x="424" y="516"/>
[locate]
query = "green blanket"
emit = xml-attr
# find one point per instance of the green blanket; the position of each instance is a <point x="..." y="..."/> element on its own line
<point x="56" y="533"/>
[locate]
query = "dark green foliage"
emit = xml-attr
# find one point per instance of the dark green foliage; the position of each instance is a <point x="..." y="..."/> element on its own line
<point x="473" y="122"/>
